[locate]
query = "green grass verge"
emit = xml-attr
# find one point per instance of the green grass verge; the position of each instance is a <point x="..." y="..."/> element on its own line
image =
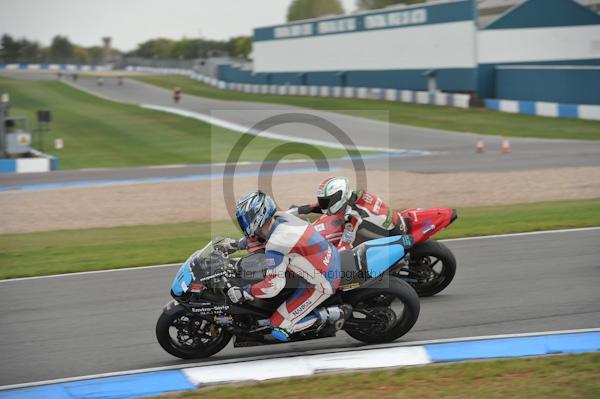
<point x="573" y="376"/>
<point x="481" y="121"/>
<point x="482" y="221"/>
<point x="66" y="251"/>
<point x="100" y="133"/>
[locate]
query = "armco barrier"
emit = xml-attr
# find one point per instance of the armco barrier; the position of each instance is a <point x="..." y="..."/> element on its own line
<point x="54" y="67"/>
<point x="539" y="108"/>
<point x="407" y="96"/>
<point x="138" y="384"/>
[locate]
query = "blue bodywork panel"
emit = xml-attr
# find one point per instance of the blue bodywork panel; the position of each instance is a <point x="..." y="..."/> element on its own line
<point x="383" y="253"/>
<point x="182" y="280"/>
<point x="382" y="241"/>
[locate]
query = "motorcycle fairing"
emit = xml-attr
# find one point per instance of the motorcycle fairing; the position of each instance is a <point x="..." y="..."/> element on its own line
<point x="383" y="253"/>
<point x="422" y="224"/>
<point x="182" y="280"/>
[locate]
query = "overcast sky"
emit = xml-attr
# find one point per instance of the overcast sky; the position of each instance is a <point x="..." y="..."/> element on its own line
<point x="130" y="22"/>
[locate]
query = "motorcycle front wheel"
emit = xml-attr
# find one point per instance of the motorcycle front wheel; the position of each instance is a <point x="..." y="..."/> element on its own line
<point x="434" y="266"/>
<point x="186" y="336"/>
<point x="383" y="312"/>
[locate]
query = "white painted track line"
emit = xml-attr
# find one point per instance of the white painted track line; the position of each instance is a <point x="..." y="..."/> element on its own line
<point x="529" y="233"/>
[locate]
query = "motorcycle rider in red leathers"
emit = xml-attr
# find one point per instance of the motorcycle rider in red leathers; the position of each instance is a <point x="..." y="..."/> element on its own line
<point x="366" y="215"/>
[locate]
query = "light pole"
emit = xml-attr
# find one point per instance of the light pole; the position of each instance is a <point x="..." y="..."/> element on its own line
<point x="4" y="106"/>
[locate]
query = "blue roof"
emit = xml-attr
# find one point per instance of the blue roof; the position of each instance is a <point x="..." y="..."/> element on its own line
<point x="413" y="15"/>
<point x="546" y="13"/>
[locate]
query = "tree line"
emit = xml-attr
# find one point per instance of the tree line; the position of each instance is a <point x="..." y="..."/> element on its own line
<point x="305" y="9"/>
<point x="62" y="50"/>
<point x="187" y="49"/>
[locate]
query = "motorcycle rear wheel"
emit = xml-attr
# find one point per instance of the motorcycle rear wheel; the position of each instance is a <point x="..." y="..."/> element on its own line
<point x="173" y="327"/>
<point x="376" y="311"/>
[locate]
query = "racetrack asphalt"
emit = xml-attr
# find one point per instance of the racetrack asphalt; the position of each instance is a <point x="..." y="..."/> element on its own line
<point x="453" y="152"/>
<point x="83" y="324"/>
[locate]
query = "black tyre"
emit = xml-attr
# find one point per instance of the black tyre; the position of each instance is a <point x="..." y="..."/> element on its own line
<point x="434" y="265"/>
<point x="383" y="312"/>
<point x="187" y="336"/>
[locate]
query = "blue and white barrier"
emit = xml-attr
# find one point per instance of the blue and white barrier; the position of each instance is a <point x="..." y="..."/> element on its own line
<point x="54" y="67"/>
<point x="167" y="71"/>
<point x="152" y="382"/>
<point x="42" y="163"/>
<point x="405" y="96"/>
<point x="540" y="108"/>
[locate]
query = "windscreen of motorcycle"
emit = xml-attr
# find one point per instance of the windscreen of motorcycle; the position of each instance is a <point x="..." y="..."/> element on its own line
<point x="203" y="263"/>
<point x="206" y="265"/>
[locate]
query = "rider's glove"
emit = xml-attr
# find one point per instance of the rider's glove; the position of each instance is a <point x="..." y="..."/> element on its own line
<point x="293" y="210"/>
<point x="243" y="243"/>
<point x="348" y="214"/>
<point x="305" y="209"/>
<point x="229" y="245"/>
<point x="238" y="294"/>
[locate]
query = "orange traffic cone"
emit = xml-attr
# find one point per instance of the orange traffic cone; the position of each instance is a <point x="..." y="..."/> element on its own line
<point x="480" y="146"/>
<point x="506" y="149"/>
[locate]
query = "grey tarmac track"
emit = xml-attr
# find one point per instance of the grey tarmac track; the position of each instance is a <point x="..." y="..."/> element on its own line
<point x="454" y="152"/>
<point x="84" y="324"/>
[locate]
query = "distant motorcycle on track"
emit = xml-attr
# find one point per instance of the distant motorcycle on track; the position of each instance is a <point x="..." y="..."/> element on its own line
<point x="201" y="320"/>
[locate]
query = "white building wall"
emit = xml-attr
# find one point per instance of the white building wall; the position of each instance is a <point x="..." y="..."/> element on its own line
<point x="539" y="44"/>
<point x="444" y="45"/>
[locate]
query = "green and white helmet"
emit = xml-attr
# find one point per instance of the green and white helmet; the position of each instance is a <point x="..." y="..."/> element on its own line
<point x="333" y="194"/>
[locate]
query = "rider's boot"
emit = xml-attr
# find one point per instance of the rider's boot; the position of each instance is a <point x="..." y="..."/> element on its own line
<point x="280" y="334"/>
<point x="333" y="316"/>
<point x="283" y="335"/>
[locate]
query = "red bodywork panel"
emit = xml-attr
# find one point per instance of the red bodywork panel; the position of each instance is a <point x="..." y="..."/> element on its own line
<point x="422" y="223"/>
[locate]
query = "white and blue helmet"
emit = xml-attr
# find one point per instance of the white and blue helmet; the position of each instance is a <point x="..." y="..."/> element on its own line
<point x="253" y="211"/>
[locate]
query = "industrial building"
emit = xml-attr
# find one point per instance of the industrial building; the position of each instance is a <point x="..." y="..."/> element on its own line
<point x="537" y="50"/>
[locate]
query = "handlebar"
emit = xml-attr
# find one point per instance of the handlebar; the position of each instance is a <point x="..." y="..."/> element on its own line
<point x="222" y="274"/>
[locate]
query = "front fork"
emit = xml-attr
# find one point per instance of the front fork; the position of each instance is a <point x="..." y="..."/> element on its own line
<point x="402" y="270"/>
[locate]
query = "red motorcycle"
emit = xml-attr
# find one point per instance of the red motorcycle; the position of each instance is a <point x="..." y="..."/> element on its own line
<point x="430" y="265"/>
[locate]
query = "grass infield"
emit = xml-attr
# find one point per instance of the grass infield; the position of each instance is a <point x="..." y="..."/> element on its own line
<point x="474" y="120"/>
<point x="99" y="133"/>
<point x="66" y="251"/>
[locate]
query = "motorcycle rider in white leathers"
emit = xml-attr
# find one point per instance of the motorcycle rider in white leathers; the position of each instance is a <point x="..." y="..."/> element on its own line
<point x="292" y="245"/>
